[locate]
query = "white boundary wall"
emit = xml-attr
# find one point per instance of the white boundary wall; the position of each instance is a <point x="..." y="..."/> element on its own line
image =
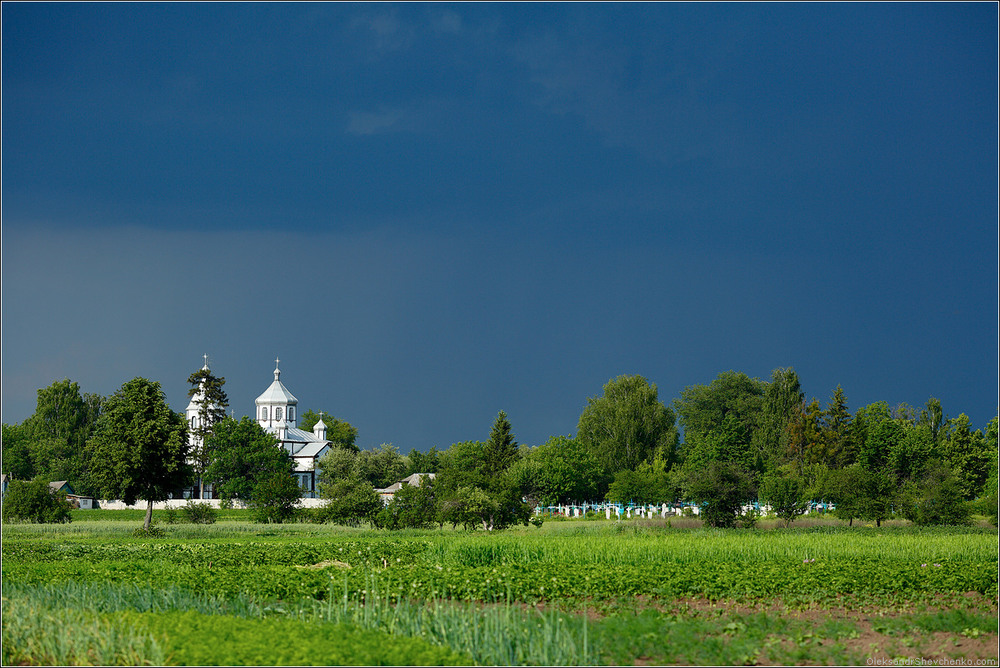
<point x="180" y="503"/>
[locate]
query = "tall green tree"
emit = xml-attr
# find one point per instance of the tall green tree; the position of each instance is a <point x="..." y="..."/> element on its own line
<point x="500" y="451"/>
<point x="422" y="462"/>
<point x="56" y="435"/>
<point x="240" y="454"/>
<point x="561" y="470"/>
<point x="836" y="431"/>
<point x="702" y="408"/>
<point x="969" y="455"/>
<point x="339" y="432"/>
<point x="206" y="390"/>
<point x="627" y="425"/>
<point x="722" y="489"/>
<point x="16" y="457"/>
<point x="779" y="405"/>
<point x="805" y="443"/>
<point x="381" y="466"/>
<point x="140" y="448"/>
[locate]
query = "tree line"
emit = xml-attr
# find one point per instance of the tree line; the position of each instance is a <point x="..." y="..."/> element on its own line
<point x="725" y="446"/>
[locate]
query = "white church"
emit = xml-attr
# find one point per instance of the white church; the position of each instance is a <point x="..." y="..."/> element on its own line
<point x="275" y="411"/>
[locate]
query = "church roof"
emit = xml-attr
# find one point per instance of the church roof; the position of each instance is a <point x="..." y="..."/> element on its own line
<point x="296" y="435"/>
<point x="277" y="393"/>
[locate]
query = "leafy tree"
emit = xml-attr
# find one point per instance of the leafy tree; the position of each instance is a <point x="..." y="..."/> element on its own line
<point x="34" y="501"/>
<point x="381" y="466"/>
<point x="16" y="458"/>
<point x="337" y="464"/>
<point x="842" y="488"/>
<point x="968" y="454"/>
<point x="560" y="470"/>
<point x="500" y="450"/>
<point x="936" y="498"/>
<point x="349" y="501"/>
<point x="649" y="483"/>
<point x="627" y="425"/>
<point x="703" y="408"/>
<point x="909" y="455"/>
<point x="340" y="433"/>
<point x="56" y="436"/>
<point x="779" y="405"/>
<point x="729" y="442"/>
<point x="206" y="390"/>
<point x="883" y="434"/>
<point x="240" y="455"/>
<point x="988" y="496"/>
<point x="140" y="448"/>
<point x="723" y="488"/>
<point x="786" y="493"/>
<point x="933" y="416"/>
<point x="275" y="497"/>
<point x="422" y="462"/>
<point x="471" y="507"/>
<point x="877" y="494"/>
<point x="805" y="442"/>
<point x="461" y="466"/>
<point x="412" y="507"/>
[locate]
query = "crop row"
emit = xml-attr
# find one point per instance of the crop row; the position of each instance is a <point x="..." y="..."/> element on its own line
<point x="603" y="547"/>
<point x="818" y="580"/>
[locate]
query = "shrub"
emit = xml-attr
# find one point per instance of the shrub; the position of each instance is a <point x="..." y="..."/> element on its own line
<point x="170" y="515"/>
<point x="199" y="513"/>
<point x="34" y="502"/>
<point x="152" y="532"/>
<point x="350" y="501"/>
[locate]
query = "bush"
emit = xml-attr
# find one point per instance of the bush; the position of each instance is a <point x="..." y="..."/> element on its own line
<point x="35" y="502"/>
<point x="170" y="515"/>
<point x="199" y="513"/>
<point x="350" y="501"/>
<point x="152" y="532"/>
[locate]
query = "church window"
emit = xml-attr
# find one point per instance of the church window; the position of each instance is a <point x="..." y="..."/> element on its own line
<point x="194" y="422"/>
<point x="291" y="412"/>
<point x="263" y="413"/>
<point x="277" y="413"/>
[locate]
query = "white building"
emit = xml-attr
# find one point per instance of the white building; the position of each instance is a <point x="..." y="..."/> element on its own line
<point x="276" y="413"/>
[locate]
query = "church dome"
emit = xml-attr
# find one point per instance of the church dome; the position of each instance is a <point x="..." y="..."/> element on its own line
<point x="277" y="393"/>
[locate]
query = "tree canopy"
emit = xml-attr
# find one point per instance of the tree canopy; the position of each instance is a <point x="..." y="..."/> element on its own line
<point x="140" y="448"/>
<point x="627" y="425"/>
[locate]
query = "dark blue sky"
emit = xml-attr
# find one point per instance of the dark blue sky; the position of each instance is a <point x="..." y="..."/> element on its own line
<point x="432" y="212"/>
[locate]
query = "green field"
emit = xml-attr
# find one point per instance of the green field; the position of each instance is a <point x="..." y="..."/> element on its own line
<point x="568" y="593"/>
